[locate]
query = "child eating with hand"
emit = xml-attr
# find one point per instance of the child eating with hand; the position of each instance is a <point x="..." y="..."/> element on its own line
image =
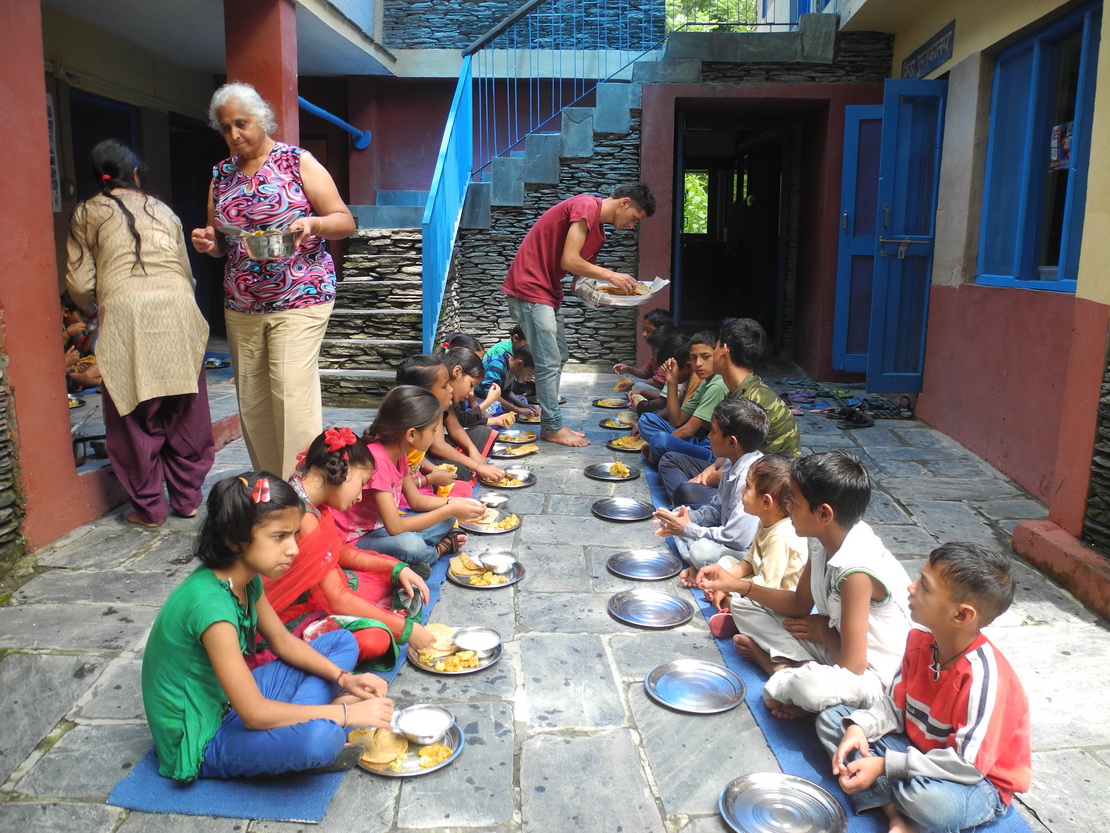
<point x="949" y="746"/>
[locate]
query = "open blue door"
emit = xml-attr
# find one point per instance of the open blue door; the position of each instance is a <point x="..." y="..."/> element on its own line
<point x="859" y="194"/>
<point x="909" y="167"/>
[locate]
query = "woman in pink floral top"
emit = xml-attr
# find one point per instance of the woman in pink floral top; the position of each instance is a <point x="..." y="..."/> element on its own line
<point x="276" y="310"/>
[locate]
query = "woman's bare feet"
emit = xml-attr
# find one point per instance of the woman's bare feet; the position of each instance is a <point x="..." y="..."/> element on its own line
<point x="134" y="518"/>
<point x="785" y="711"/>
<point x="564" y="436"/>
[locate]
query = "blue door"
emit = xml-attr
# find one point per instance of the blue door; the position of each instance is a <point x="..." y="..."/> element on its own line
<point x="904" y="211"/>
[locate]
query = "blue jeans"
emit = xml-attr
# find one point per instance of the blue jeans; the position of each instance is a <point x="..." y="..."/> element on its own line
<point x="543" y="327"/>
<point x="410" y="547"/>
<point x="657" y="431"/>
<point x="676" y="469"/>
<point x="239" y="752"/>
<point x="932" y="804"/>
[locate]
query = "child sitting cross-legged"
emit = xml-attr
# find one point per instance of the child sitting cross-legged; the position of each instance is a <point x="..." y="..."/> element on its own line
<point x="211" y="716"/>
<point x="846" y="652"/>
<point x="949" y="746"/>
<point x="501" y="371"/>
<point x="721" y="527"/>
<point x="673" y="356"/>
<point x="777" y="554"/>
<point x="653" y="320"/>
<point x="332" y="584"/>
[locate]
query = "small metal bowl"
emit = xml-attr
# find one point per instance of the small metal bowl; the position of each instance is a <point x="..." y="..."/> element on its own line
<point x="482" y="641"/>
<point x="499" y="563"/>
<point x="423" y="723"/>
<point x="273" y="245"/>
<point x="494" y="500"/>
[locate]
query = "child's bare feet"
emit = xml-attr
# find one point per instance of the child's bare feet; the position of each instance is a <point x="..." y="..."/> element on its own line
<point x="750" y="650"/>
<point x="564" y="436"/>
<point x="898" y="822"/>
<point x="786" y="711"/>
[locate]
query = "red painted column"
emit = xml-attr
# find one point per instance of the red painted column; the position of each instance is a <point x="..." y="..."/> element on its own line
<point x="57" y="500"/>
<point x="261" y="49"/>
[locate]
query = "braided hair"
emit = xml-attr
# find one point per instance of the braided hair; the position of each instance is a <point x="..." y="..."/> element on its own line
<point x="334" y="453"/>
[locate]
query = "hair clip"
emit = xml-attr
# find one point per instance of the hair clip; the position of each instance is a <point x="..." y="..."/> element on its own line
<point x="243" y="480"/>
<point x="337" y="439"/>
<point x="105" y="177"/>
<point x="261" y="493"/>
<point x="301" y="457"/>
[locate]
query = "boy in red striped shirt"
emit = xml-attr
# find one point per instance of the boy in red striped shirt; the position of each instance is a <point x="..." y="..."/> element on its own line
<point x="949" y="746"/>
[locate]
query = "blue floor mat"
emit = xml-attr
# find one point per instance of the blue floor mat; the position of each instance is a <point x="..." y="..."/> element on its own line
<point x="290" y="797"/>
<point x="794" y="742"/>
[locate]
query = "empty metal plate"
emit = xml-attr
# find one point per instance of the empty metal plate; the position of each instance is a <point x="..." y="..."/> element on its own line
<point x="622" y="509"/>
<point x="695" y="686"/>
<point x="524" y="474"/>
<point x="650" y="609"/>
<point x="645" y="565"/>
<point x="771" y="802"/>
<point x="600" y="471"/>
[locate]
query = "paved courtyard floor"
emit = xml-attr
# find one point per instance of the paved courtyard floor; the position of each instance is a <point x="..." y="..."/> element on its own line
<point x="560" y="734"/>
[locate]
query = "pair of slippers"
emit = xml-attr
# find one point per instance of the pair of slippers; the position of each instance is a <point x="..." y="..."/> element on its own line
<point x="854" y="418"/>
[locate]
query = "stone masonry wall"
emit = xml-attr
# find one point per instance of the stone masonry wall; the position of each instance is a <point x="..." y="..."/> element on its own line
<point x="861" y="58"/>
<point x="11" y="507"/>
<point x="473" y="301"/>
<point x="1096" y="524"/>
<point x="455" y="24"/>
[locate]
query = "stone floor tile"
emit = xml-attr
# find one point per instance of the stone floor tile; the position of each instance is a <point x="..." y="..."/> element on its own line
<point x="476" y="790"/>
<point x="1039" y="601"/>
<point x="552" y="568"/>
<point x="552" y="799"/>
<point x="74" y="626"/>
<point x="364" y="803"/>
<point x="162" y="822"/>
<point x="880" y="469"/>
<point x="24" y="678"/>
<point x="1017" y="508"/>
<point x="172" y="554"/>
<point x="498" y="682"/>
<point x="567" y="529"/>
<point x="1067" y="790"/>
<point x="51" y="818"/>
<point x="525" y="502"/>
<point x="705" y="824"/>
<point x="108" y="543"/>
<point x="971" y="469"/>
<point x="573" y="504"/>
<point x="905" y="540"/>
<point x="949" y="488"/>
<point x="459" y="606"/>
<point x="566" y="613"/>
<point x="949" y="520"/>
<point x="566" y="682"/>
<point x="882" y="509"/>
<point x="87" y="761"/>
<point x="117" y="694"/>
<point x="602" y="581"/>
<point x="676" y="744"/>
<point x="97" y="587"/>
<point x="636" y="654"/>
<point x="1060" y="666"/>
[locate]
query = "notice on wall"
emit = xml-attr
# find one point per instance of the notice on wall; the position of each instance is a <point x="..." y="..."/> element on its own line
<point x="930" y="54"/>
<point x="55" y="168"/>
<point x="1059" y="147"/>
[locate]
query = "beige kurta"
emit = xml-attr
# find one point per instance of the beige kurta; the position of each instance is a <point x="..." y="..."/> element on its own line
<point x="152" y="335"/>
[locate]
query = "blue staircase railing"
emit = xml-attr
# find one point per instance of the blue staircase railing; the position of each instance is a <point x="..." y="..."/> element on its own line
<point x="445" y="201"/>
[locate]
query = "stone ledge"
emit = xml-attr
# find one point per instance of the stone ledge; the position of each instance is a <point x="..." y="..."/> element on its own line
<point x="1056" y="552"/>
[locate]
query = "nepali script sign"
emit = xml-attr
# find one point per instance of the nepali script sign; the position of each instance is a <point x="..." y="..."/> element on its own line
<point x="931" y="54"/>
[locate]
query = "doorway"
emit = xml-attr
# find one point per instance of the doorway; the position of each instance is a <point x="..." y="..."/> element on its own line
<point x="731" y="223"/>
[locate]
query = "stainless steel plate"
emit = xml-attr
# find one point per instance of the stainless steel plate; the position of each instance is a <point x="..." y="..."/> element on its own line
<point x="614" y="424"/>
<point x="525" y="475"/>
<point x="695" y="686"/>
<point x="518" y="435"/>
<point x="491" y="528"/>
<point x="650" y="609"/>
<point x="483" y="663"/>
<point x="771" y="802"/>
<point x="600" y="471"/>
<point x="513" y="576"/>
<point x="645" y="565"/>
<point x="622" y="509"/>
<point x="610" y="445"/>
<point x="529" y="420"/>
<point x="611" y="402"/>
<point x="535" y="400"/>
<point x="453" y="740"/>
<point x="505" y="451"/>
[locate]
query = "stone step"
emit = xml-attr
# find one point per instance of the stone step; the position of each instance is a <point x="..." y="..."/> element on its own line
<point x="400" y="325"/>
<point x="614" y="103"/>
<point x="387" y="216"/>
<point x="365" y="353"/>
<point x="382" y="267"/>
<point x="541" y="164"/>
<point x="380" y="295"/>
<point x="507" y="180"/>
<point x="419" y="198"/>
<point x="476" y="207"/>
<point x="384" y="241"/>
<point x="577" y="133"/>
<point x="355" y="388"/>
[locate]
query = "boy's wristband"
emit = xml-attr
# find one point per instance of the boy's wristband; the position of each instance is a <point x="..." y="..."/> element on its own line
<point x="406" y="632"/>
<point x="394" y="576"/>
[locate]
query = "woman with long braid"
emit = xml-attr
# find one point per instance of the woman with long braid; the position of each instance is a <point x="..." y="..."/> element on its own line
<point x="127" y="257"/>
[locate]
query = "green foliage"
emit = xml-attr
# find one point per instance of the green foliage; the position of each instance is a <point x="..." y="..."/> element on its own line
<point x="695" y="202"/>
<point x="708" y="15"/>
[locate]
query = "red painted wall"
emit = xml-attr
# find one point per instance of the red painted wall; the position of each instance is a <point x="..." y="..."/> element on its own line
<point x="57" y="499"/>
<point x="261" y="49"/>
<point x="820" y="110"/>
<point x="996" y="365"/>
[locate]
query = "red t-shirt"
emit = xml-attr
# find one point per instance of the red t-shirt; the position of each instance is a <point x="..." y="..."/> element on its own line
<point x="536" y="273"/>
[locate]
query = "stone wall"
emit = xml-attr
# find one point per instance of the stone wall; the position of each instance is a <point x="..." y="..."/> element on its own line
<point x="473" y="302"/>
<point x="1096" y="525"/>
<point x="11" y="507"/>
<point x="861" y="58"/>
<point x="455" y="24"/>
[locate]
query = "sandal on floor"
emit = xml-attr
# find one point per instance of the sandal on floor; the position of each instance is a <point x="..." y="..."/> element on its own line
<point x="347" y="758"/>
<point x="450" y="542"/>
<point x="858" y="419"/>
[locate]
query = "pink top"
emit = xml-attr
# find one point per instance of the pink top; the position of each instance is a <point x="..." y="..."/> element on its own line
<point x="388" y="476"/>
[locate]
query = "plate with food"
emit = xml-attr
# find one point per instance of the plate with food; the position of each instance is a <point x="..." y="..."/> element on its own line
<point x="421" y="739"/>
<point x="485" y="571"/>
<point x="529" y="419"/>
<point x="615" y="470"/>
<point x="611" y="402"/>
<point x="517" y="435"/>
<point x="694" y="686"/>
<point x="765" y="802"/>
<point x="216" y="364"/>
<point x="627" y="444"/>
<point x="516" y="477"/>
<point x="506" y="451"/>
<point x="458" y="650"/>
<point x="492" y="522"/>
<point x="76" y="402"/>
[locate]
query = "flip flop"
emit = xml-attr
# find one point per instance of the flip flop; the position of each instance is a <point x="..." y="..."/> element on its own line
<point x="722" y="625"/>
